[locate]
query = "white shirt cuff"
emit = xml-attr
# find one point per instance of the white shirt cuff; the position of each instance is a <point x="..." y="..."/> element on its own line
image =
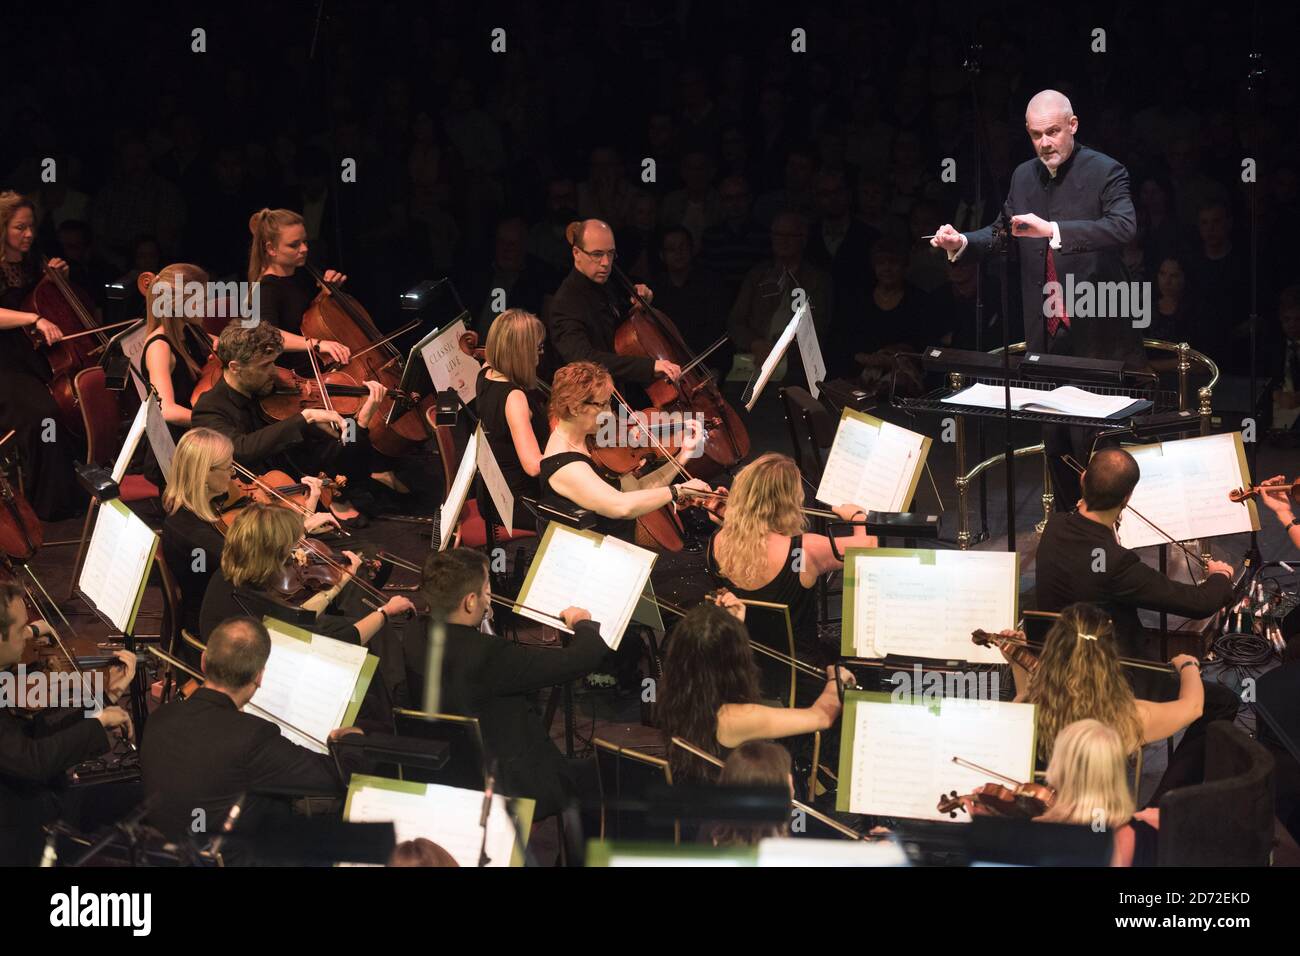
<point x="954" y="256"/>
<point x="1055" y="241"/>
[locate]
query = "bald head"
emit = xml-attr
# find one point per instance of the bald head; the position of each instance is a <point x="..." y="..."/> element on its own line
<point x="1051" y="125"/>
<point x="593" y="250"/>
<point x="236" y="653"/>
<point x="1110" y="478"/>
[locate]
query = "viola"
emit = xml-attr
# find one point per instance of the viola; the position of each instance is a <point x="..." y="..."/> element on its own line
<point x="336" y="315"/>
<point x="1291" y="490"/>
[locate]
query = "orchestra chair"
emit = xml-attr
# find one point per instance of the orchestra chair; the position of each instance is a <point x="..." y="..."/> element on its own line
<point x="169" y="631"/>
<point x="471" y="530"/>
<point x="627" y="774"/>
<point x="812" y="432"/>
<point x="101" y="414"/>
<point x="1228" y="819"/>
<point x="817" y="825"/>
<point x="463" y="736"/>
<point x="777" y="665"/>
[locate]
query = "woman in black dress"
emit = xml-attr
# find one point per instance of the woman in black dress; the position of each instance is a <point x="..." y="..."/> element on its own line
<point x="284" y="290"/>
<point x="511" y="408"/>
<point x="44" y="449"/>
<point x="580" y="395"/>
<point x="763" y="554"/>
<point x="173" y="356"/>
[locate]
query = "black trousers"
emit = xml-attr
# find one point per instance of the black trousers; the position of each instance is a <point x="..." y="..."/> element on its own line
<point x="1187" y="764"/>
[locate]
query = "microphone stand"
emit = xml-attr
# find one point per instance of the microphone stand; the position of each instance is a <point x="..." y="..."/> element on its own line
<point x="1001" y="247"/>
<point x="972" y="67"/>
<point x="1254" y="76"/>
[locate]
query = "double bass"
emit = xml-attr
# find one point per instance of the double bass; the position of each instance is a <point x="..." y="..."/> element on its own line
<point x="336" y="315"/>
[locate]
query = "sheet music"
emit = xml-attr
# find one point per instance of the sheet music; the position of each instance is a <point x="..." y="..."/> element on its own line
<point x="1184" y="489"/>
<point x="459" y="491"/>
<point x="1064" y="400"/>
<point x="905" y="606"/>
<point x="159" y="435"/>
<point x="597" y="572"/>
<point x="902" y="753"/>
<point x="449" y="816"/>
<point x="117" y="563"/>
<point x="775" y="356"/>
<point x="308" y="685"/>
<point x="872" y="464"/>
<point x="448" y="366"/>
<point x="496" y="484"/>
<point x="133" y="342"/>
<point x="810" y="351"/>
<point x="132" y="442"/>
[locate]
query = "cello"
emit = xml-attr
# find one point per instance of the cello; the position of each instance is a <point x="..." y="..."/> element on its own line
<point x="649" y="333"/>
<point x="336" y="315"/>
<point x="73" y="311"/>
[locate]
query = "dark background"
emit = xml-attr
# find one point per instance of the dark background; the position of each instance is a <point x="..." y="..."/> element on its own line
<point x="164" y="153"/>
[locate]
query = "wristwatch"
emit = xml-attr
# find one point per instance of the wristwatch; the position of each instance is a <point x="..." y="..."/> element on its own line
<point x="1188" y="664"/>
<point x="672" y="490"/>
<point x="1294" y="522"/>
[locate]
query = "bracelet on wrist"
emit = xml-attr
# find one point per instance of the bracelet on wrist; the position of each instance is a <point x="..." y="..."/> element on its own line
<point x="676" y="495"/>
<point x="1188" y="664"/>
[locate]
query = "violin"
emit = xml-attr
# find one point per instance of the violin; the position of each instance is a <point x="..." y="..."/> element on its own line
<point x="1291" y="490"/>
<point x="336" y="315"/>
<point x="1021" y="800"/>
<point x="1017" y="651"/>
<point x="275" y="487"/>
<point x="294" y="393"/>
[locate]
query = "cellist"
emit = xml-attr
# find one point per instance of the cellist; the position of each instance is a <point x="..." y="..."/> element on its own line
<point x="26" y="405"/>
<point x="275" y="256"/>
<point x="585" y="314"/>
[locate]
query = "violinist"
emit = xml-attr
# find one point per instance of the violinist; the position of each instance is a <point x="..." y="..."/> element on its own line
<point x="1078" y="676"/>
<point x="26" y="405"/>
<point x="493" y="678"/>
<point x="709" y="694"/>
<point x="1080" y="559"/>
<point x="510" y="406"/>
<point x="1089" y="775"/>
<point x="192" y="537"/>
<point x="580" y="395"/>
<point x="173" y="357"/>
<point x="275" y="256"/>
<point x="261" y="555"/>
<point x="35" y="751"/>
<point x="762" y="552"/>
<point x="585" y="314"/>
<point x="1278" y="501"/>
<point x="307" y="442"/>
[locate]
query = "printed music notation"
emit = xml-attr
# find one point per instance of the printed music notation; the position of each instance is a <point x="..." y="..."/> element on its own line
<point x="872" y="463"/>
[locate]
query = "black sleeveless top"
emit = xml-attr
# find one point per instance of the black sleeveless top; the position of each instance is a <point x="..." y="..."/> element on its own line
<point x="490" y="401"/>
<point x="283" y="299"/>
<point x="17" y="355"/>
<point x="183" y="380"/>
<point x="767" y="626"/>
<point x="624" y="529"/>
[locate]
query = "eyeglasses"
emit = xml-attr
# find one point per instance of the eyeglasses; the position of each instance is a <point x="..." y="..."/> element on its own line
<point x="599" y="254"/>
<point x="229" y="469"/>
<point x="604" y="404"/>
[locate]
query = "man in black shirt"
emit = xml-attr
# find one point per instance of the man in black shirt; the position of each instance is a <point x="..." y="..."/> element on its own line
<point x="585" y="313"/>
<point x="492" y="678"/>
<point x="1080" y="559"/>
<point x="305" y="443"/>
<point x="203" y="754"/>
<point x="35" y="752"/>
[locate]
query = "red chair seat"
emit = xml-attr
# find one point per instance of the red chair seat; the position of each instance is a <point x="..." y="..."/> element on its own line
<point x="136" y="488"/>
<point x="473" y="529"/>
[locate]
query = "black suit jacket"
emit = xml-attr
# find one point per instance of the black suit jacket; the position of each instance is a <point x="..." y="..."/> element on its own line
<point x="1067" y="556"/>
<point x="1089" y="199"/>
<point x="239" y="418"/>
<point x="584" y="317"/>
<point x="33" y="753"/>
<point x="491" y="678"/>
<point x="203" y="754"/>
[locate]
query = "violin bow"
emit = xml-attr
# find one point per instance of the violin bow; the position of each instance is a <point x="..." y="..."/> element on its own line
<point x="320" y="383"/>
<point x="961" y="762"/>
<point x="658" y="445"/>
<point x="57" y="610"/>
<point x="1078" y="469"/>
<point x="992" y="638"/>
